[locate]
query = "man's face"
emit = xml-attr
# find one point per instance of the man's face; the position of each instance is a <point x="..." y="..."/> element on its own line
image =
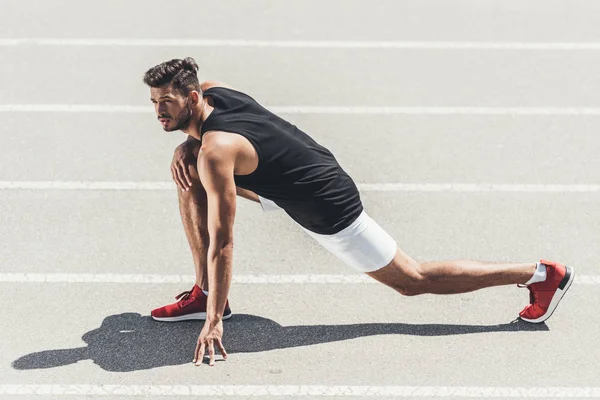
<point x="172" y="109"/>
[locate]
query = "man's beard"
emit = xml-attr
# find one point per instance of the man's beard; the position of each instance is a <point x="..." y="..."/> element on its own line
<point x="183" y="120"/>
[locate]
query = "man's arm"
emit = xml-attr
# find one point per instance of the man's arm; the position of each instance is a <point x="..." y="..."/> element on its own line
<point x="216" y="165"/>
<point x="216" y="168"/>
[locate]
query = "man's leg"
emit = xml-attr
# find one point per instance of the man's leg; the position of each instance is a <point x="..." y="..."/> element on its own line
<point x="410" y="278"/>
<point x="547" y="281"/>
<point x="193" y="209"/>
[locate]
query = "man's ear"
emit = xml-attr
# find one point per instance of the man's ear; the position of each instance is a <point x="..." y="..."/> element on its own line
<point x="195" y="97"/>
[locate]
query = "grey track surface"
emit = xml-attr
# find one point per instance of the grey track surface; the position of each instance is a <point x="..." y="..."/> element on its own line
<point x="311" y="334"/>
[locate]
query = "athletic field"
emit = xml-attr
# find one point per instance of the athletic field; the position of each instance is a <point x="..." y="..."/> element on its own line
<point x="471" y="128"/>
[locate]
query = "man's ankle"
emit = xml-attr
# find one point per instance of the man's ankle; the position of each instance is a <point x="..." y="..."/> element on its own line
<point x="539" y="274"/>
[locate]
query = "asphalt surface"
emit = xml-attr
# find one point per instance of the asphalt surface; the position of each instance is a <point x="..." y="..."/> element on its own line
<point x="286" y="334"/>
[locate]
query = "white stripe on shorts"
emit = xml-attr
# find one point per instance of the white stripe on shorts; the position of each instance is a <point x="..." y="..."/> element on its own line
<point x="363" y="245"/>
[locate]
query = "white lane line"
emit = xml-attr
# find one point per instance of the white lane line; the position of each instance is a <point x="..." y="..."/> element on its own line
<point x="391" y="110"/>
<point x="364" y="187"/>
<point x="476" y="187"/>
<point x="79" y="185"/>
<point x="323" y="110"/>
<point x="23" y="277"/>
<point x="304" y="391"/>
<point x="75" y="108"/>
<point x="307" y="44"/>
<point x="20" y="277"/>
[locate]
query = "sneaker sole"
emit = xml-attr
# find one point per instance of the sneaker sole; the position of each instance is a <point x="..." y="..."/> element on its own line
<point x="187" y="317"/>
<point x="563" y="286"/>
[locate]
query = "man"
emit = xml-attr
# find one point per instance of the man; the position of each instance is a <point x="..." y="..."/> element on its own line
<point x="237" y="147"/>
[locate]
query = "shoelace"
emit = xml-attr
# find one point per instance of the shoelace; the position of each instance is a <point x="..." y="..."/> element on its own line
<point x="185" y="298"/>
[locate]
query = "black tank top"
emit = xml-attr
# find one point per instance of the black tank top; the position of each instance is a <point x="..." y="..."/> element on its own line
<point x="298" y="174"/>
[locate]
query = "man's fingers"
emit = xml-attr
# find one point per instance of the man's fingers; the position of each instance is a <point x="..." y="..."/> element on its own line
<point x="186" y="173"/>
<point x="180" y="178"/>
<point x="199" y="353"/>
<point x="211" y="353"/>
<point x="222" y="349"/>
<point x="196" y="351"/>
<point x="179" y="183"/>
<point x="175" y="177"/>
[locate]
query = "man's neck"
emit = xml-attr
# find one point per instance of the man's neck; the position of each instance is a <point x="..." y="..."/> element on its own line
<point x="199" y="115"/>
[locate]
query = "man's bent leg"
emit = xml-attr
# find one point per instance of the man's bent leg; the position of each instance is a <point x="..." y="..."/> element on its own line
<point x="409" y="277"/>
<point x="191" y="305"/>
<point x="193" y="209"/>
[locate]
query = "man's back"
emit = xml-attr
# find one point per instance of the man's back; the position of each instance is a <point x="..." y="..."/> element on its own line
<point x="294" y="171"/>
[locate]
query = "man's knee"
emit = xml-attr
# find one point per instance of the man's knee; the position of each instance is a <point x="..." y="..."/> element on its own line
<point x="414" y="284"/>
<point x="404" y="275"/>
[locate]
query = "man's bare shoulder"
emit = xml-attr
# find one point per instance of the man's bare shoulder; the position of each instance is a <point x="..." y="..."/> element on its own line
<point x="211" y="84"/>
<point x="220" y="142"/>
<point x="223" y="148"/>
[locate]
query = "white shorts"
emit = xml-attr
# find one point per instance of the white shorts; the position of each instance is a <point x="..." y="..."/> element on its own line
<point x="363" y="245"/>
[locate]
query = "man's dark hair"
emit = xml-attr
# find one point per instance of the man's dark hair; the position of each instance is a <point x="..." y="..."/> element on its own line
<point x="181" y="74"/>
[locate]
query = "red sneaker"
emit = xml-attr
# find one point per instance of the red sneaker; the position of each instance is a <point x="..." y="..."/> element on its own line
<point x="191" y="305"/>
<point x="545" y="296"/>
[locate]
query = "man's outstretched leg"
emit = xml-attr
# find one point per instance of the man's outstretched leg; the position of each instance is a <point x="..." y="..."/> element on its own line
<point x="193" y="209"/>
<point x="547" y="281"/>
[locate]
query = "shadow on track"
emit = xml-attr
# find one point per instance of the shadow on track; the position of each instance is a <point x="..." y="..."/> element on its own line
<point x="130" y="342"/>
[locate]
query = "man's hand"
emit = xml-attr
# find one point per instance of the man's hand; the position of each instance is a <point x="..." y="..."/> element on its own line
<point x="211" y="333"/>
<point x="185" y="155"/>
